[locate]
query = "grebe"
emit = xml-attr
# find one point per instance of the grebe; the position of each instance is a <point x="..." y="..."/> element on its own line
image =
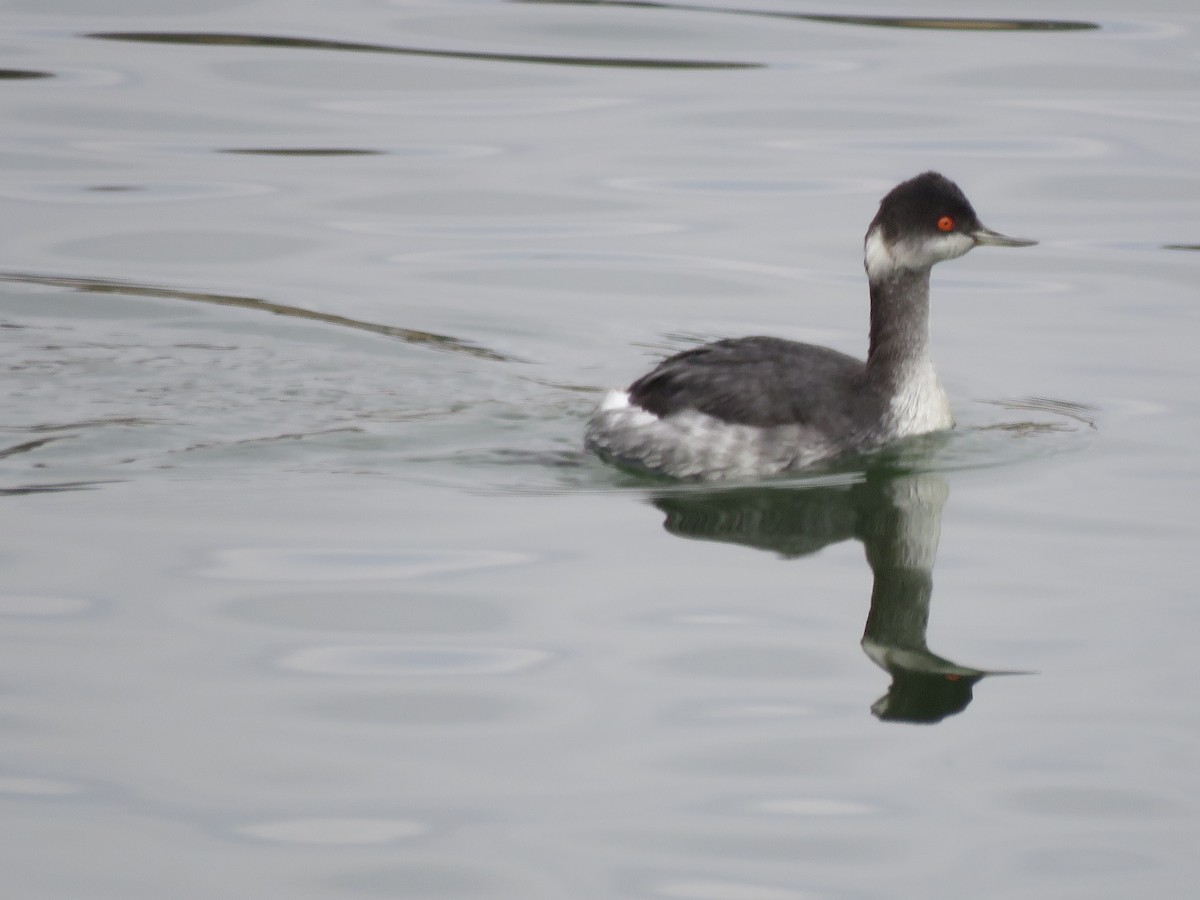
<point x="758" y="406"/>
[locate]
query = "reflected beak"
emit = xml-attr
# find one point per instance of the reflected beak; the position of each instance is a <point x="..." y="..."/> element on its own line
<point x="995" y="239"/>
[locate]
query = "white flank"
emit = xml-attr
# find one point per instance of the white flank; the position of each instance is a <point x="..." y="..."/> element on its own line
<point x="614" y="400"/>
<point x="618" y="409"/>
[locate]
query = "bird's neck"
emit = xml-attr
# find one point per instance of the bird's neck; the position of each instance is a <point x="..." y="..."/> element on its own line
<point x="899" y="325"/>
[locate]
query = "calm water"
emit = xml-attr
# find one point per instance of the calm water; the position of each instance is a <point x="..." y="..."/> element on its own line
<point x="309" y="592"/>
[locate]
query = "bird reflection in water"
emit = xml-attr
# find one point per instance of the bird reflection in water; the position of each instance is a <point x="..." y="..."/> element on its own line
<point x="898" y="519"/>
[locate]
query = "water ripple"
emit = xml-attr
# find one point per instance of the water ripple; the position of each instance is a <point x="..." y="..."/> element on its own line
<point x="333" y="832"/>
<point x="30" y="786"/>
<point x="471" y="107"/>
<point x="136" y="289"/>
<point x="1041" y="148"/>
<point x="725" y="185"/>
<point x="139" y="192"/>
<point x="301" y="151"/>
<point x="810" y="806"/>
<point x="22" y="74"/>
<point x="325" y="565"/>
<point x="43" y="607"/>
<point x="933" y="23"/>
<point x="207" y="39"/>
<point x="696" y="888"/>
<point x="409" y="660"/>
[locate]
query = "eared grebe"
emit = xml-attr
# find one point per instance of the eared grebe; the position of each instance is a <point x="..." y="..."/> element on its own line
<point x="758" y="406"/>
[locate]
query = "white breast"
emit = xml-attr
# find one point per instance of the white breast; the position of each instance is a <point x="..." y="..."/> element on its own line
<point x="920" y="405"/>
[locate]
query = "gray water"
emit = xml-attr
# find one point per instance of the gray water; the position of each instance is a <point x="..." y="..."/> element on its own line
<point x="309" y="591"/>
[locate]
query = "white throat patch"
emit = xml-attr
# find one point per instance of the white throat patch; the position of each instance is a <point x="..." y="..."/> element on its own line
<point x="883" y="258"/>
<point x="877" y="255"/>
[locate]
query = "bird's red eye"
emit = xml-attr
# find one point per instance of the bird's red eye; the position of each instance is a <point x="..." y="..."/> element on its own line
<point x="945" y="223"/>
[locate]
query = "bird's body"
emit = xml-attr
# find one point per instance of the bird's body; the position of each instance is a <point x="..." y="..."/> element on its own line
<point x="759" y="406"/>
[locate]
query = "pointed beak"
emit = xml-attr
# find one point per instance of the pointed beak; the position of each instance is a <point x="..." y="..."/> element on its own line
<point x="991" y="238"/>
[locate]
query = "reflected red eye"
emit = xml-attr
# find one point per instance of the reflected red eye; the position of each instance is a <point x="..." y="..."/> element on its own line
<point x="945" y="223"/>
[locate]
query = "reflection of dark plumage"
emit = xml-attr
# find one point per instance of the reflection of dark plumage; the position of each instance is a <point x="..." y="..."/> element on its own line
<point x="789" y="522"/>
<point x="898" y="520"/>
<point x="924" y="699"/>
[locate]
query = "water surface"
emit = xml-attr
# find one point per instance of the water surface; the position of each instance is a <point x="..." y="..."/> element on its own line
<point x="309" y="589"/>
